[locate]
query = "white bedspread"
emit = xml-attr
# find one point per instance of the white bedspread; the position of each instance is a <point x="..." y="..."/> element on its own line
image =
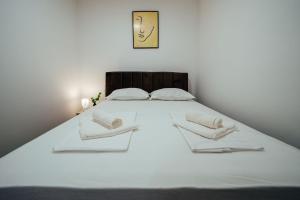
<point x="158" y="157"/>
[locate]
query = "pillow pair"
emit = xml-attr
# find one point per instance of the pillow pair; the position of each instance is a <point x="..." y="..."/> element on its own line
<point x="171" y="94"/>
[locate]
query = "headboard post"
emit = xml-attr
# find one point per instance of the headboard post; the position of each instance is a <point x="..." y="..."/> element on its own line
<point x="148" y="81"/>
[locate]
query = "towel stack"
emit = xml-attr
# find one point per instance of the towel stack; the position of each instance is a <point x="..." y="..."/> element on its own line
<point x="211" y="129"/>
<point x="106" y="120"/>
<point x="208" y="126"/>
<point x="103" y="125"/>
<point x="205" y="120"/>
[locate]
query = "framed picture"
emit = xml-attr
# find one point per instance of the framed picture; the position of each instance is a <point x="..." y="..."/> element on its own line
<point x="145" y="28"/>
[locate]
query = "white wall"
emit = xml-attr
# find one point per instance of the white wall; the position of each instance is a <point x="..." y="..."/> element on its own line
<point x="106" y="39"/>
<point x="39" y="84"/>
<point x="249" y="63"/>
<point x="54" y="51"/>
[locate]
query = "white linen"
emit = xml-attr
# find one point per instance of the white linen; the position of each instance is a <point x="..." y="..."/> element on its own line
<point x="158" y="157"/>
<point x="91" y="130"/>
<point x="171" y="94"/>
<point x="213" y="140"/>
<point x="88" y="129"/>
<point x="230" y="143"/>
<point x="119" y="142"/>
<point x="180" y="122"/>
<point x="204" y="119"/>
<point x="106" y="119"/>
<point x="128" y="94"/>
<point x="73" y="143"/>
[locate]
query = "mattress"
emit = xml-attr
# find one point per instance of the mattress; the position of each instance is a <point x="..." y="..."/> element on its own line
<point x="158" y="158"/>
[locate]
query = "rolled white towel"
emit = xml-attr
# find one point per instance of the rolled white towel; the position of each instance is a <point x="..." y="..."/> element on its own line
<point x="89" y="129"/>
<point x="204" y="119"/>
<point x="107" y="120"/>
<point x="204" y="131"/>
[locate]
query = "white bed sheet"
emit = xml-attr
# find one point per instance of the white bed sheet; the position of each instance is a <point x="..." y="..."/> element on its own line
<point x="158" y="157"/>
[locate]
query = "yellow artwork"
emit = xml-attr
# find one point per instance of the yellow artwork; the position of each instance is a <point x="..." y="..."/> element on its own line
<point x="145" y="29"/>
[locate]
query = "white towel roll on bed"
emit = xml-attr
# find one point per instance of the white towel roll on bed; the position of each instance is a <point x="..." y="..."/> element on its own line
<point x="204" y="119"/>
<point x="106" y="119"/>
<point x="91" y="130"/>
<point x="205" y="132"/>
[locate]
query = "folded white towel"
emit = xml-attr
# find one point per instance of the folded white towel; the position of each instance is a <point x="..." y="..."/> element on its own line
<point x="89" y="129"/>
<point x="231" y="143"/>
<point x="234" y="142"/>
<point x="73" y="143"/>
<point x="107" y="120"/>
<point x="118" y="143"/>
<point x="204" y="131"/>
<point x="204" y="119"/>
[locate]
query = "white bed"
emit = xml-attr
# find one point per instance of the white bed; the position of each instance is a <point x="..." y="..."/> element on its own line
<point x="158" y="157"/>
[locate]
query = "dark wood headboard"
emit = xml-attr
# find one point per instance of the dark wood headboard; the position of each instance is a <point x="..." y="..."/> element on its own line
<point x="148" y="81"/>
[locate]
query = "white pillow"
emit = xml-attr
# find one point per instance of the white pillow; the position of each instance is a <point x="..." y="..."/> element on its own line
<point x="171" y="94"/>
<point x="128" y="94"/>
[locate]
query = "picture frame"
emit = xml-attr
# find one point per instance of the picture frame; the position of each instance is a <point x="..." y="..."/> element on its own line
<point x="145" y="29"/>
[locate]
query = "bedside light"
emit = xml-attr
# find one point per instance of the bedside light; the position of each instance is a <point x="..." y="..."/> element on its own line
<point x="85" y="103"/>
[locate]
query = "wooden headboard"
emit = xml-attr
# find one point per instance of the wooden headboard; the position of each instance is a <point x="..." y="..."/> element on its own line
<point x="148" y="81"/>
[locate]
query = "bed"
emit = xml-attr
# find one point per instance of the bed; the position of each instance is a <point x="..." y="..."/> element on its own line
<point x="158" y="164"/>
